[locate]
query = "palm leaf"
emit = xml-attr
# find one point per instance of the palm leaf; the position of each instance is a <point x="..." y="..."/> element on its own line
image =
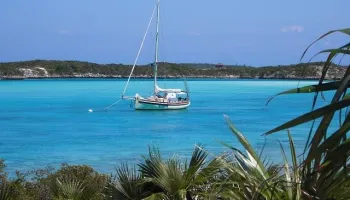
<point x="198" y="157"/>
<point x="67" y="189"/>
<point x="331" y="165"/>
<point x="246" y="145"/>
<point x="333" y="141"/>
<point x="347" y="96"/>
<point x="326" y="120"/>
<point x="157" y="196"/>
<point x="311" y="88"/>
<point x="209" y="171"/>
<point x="335" y="51"/>
<point x="232" y="148"/>
<point x="197" y="161"/>
<point x="339" y="185"/>
<point x="175" y="177"/>
<point x="152" y="166"/>
<point x="72" y="188"/>
<point x="296" y="174"/>
<point x="326" y="66"/>
<point x="287" y="173"/>
<point x="180" y="195"/>
<point x="253" y="171"/>
<point x="6" y="192"/>
<point x="345" y="31"/>
<point x="312" y="115"/>
<point x="126" y="184"/>
<point x="335" y="157"/>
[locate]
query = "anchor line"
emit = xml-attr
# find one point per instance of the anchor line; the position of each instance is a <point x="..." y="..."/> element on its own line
<point x="112" y="104"/>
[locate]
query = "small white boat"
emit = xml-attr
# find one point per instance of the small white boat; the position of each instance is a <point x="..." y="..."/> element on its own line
<point x="162" y="99"/>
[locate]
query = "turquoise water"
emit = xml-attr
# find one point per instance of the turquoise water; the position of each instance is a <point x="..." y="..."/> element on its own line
<point x="46" y="122"/>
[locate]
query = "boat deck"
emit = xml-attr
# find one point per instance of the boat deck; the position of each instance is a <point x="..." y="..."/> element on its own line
<point x="162" y="101"/>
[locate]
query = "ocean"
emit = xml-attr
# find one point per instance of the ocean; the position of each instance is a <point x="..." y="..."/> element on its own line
<point x="46" y="122"/>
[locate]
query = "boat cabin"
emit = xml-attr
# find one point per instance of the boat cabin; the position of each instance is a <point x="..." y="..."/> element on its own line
<point x="173" y="96"/>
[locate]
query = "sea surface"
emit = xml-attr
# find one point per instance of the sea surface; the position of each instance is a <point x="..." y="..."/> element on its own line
<point x="46" y="122"/>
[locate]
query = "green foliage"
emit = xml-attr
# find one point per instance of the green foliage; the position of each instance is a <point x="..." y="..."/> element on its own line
<point x="76" y="182"/>
<point x="246" y="176"/>
<point x="326" y="166"/>
<point x="74" y="189"/>
<point x="166" y="70"/>
<point x="6" y="192"/>
<point x="164" y="179"/>
<point x="126" y="184"/>
<point x="69" y="182"/>
<point x="3" y="174"/>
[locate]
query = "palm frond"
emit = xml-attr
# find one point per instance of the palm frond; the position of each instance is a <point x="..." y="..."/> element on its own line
<point x="72" y="188"/>
<point x="125" y="185"/>
<point x="334" y="85"/>
<point x="287" y="173"/>
<point x="344" y="31"/>
<point x="312" y="115"/>
<point x="6" y="192"/>
<point x="247" y="146"/>
<point x="157" y="196"/>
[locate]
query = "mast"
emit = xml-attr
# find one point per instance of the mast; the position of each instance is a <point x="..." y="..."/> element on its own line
<point x="156" y="50"/>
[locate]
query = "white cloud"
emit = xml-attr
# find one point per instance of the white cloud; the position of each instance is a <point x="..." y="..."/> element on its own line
<point x="64" y="32"/>
<point x="293" y="28"/>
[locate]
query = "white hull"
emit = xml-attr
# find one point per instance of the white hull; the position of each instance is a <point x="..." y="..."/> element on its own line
<point x="158" y="106"/>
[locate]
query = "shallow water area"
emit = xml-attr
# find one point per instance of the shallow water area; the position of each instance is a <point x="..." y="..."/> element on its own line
<point x="47" y="122"/>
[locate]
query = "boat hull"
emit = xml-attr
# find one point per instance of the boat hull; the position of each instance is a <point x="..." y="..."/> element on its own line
<point x="147" y="105"/>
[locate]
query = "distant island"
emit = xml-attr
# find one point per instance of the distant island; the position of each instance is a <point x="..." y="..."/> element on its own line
<point x="36" y="69"/>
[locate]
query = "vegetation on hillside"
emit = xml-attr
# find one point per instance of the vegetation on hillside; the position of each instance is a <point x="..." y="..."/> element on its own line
<point x="39" y="68"/>
<point x="321" y="172"/>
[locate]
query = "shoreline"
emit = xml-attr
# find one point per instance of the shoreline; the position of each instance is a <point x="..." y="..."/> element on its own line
<point x="161" y="78"/>
<point x="46" y="69"/>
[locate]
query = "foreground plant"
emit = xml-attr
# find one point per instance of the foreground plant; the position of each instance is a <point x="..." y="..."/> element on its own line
<point x="326" y="163"/>
<point x="76" y="183"/>
<point x="247" y="176"/>
<point x="126" y="184"/>
<point x="73" y="189"/>
<point x="173" y="178"/>
<point x="6" y="192"/>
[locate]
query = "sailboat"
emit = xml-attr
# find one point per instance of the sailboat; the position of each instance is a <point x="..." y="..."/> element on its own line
<point x="162" y="98"/>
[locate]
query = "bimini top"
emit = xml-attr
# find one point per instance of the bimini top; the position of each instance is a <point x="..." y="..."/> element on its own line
<point x="158" y="89"/>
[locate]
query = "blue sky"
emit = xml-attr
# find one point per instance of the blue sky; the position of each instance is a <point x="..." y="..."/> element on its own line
<point x="269" y="32"/>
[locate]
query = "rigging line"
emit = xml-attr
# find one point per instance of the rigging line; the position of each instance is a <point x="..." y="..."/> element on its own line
<point x="138" y="54"/>
<point x="106" y="108"/>
<point x="112" y="104"/>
